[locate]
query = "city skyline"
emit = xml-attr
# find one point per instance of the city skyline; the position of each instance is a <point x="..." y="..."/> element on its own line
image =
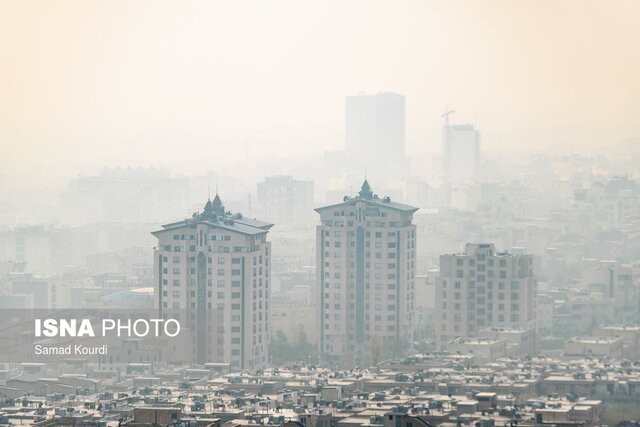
<point x="369" y="213"/>
<point x="178" y="83"/>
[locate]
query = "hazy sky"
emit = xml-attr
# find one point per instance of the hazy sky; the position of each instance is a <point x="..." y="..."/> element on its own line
<point x="85" y="84"/>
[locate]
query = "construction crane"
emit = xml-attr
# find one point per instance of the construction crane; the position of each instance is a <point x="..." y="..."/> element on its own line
<point x="446" y="115"/>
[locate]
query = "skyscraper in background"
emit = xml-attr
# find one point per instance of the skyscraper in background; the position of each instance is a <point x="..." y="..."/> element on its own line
<point x="375" y="134"/>
<point x="365" y="276"/>
<point x="215" y="266"/>
<point x="284" y="200"/>
<point x="460" y="151"/>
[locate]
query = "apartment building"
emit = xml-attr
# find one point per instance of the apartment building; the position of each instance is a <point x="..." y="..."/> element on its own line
<point x="214" y="268"/>
<point x="366" y="251"/>
<point x="483" y="288"/>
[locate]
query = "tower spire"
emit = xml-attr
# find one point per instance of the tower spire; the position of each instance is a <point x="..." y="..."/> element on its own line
<point x="218" y="207"/>
<point x="365" y="190"/>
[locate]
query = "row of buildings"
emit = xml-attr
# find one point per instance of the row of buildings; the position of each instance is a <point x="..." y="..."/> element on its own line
<point x="443" y="389"/>
<point x="365" y="289"/>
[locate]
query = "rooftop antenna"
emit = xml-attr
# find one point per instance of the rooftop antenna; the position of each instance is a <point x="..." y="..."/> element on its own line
<point x="446" y="115"/>
<point x="208" y="190"/>
<point x="216" y="186"/>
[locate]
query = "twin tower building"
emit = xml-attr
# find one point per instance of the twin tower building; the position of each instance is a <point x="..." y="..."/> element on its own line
<point x="214" y="270"/>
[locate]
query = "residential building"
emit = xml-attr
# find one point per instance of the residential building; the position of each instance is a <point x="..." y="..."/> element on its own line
<point x="217" y="265"/>
<point x="365" y="276"/>
<point x="483" y="288"/>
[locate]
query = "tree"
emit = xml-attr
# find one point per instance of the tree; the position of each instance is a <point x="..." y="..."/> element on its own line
<point x="280" y="348"/>
<point x="304" y="349"/>
<point x="374" y="350"/>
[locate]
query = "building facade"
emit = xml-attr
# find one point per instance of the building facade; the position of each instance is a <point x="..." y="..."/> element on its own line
<point x="365" y="276"/>
<point x="284" y="200"/>
<point x="483" y="288"/>
<point x="461" y="151"/>
<point x="216" y="266"/>
<point x="375" y="134"/>
<point x="376" y="122"/>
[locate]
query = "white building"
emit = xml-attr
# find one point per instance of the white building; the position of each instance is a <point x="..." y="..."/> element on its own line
<point x="485" y="350"/>
<point x="217" y="264"/>
<point x="594" y="346"/>
<point x="611" y="280"/>
<point x="460" y="151"/>
<point x="483" y="288"/>
<point x="375" y="134"/>
<point x="365" y="276"/>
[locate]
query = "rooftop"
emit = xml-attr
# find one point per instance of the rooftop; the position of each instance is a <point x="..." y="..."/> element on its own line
<point x="214" y="214"/>
<point x="367" y="195"/>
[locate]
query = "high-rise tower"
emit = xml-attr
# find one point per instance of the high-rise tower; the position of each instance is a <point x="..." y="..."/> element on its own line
<point x="365" y="276"/>
<point x="460" y="150"/>
<point x="375" y="134"/>
<point x="216" y="265"/>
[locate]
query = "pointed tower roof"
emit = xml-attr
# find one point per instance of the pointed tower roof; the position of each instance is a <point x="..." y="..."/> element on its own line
<point x="366" y="195"/>
<point x="365" y="190"/>
<point x="208" y="209"/>
<point x="218" y="207"/>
